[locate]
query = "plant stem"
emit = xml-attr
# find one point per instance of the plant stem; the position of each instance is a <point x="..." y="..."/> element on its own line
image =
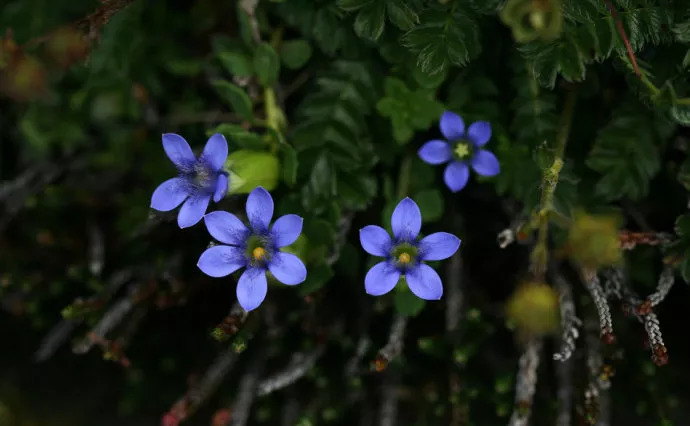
<point x="548" y="185"/>
<point x="404" y="176"/>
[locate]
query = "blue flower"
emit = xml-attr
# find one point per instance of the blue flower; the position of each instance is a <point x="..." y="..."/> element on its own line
<point x="255" y="248"/>
<point x="198" y="179"/>
<point x="460" y="149"/>
<point x="404" y="254"/>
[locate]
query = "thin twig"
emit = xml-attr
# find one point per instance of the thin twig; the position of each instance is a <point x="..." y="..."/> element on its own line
<point x="539" y="257"/>
<point x="569" y="321"/>
<point x="247" y="391"/>
<point x="394" y="345"/>
<point x="526" y="383"/>
<point x="300" y="365"/>
<point x="621" y="31"/>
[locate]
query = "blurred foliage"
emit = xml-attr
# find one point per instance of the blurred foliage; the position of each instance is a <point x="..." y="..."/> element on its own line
<point x="325" y="103"/>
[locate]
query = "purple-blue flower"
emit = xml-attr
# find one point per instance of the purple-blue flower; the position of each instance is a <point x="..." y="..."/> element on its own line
<point x="404" y="254"/>
<point x="256" y="248"/>
<point x="197" y="181"/>
<point x="461" y="149"/>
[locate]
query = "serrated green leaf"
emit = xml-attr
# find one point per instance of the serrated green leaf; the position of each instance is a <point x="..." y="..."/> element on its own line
<point x="295" y="53"/>
<point x="236" y="63"/>
<point x="236" y="97"/>
<point x="266" y="64"/>
<point x="625" y="153"/>
<point x="426" y="80"/>
<point x="407" y="109"/>
<point x="401" y="14"/>
<point x="682" y="226"/>
<point x="442" y="39"/>
<point x="352" y="5"/>
<point x="371" y="20"/>
<point x="681" y="114"/>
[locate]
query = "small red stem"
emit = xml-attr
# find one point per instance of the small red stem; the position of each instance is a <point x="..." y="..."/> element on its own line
<point x="621" y="31"/>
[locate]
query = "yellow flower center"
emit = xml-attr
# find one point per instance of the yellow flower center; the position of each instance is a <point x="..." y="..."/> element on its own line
<point x="258" y="253"/>
<point x="462" y="150"/>
<point x="404" y="258"/>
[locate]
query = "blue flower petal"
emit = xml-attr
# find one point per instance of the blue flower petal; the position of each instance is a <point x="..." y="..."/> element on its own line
<point x="169" y="194"/>
<point x="424" y="282"/>
<point x="251" y="288"/>
<point x="287" y="268"/>
<point x="406" y="220"/>
<point x="456" y="175"/>
<point x="435" y="152"/>
<point x="438" y="246"/>
<point x="220" y="261"/>
<point x="286" y="230"/>
<point x="193" y="210"/>
<point x="178" y="150"/>
<point x="485" y="163"/>
<point x="216" y="151"/>
<point x="479" y="133"/>
<point x="452" y="126"/>
<point x="226" y="228"/>
<point x="221" y="187"/>
<point x="259" y="209"/>
<point x="381" y="278"/>
<point x="375" y="240"/>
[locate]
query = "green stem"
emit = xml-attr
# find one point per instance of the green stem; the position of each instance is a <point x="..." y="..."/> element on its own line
<point x="548" y="185"/>
<point x="404" y="176"/>
<point x="275" y="119"/>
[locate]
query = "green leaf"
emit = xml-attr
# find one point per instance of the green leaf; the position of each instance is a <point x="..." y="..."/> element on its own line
<point x="371" y="20"/>
<point x="317" y="277"/>
<point x="406" y="303"/>
<point x="442" y="39"/>
<point x="401" y="14"/>
<point x="295" y="53"/>
<point x="682" y="32"/>
<point x="682" y="226"/>
<point x="236" y="97"/>
<point x="319" y="231"/>
<point x="684" y="174"/>
<point x="352" y="5"/>
<point x="236" y="63"/>
<point x="408" y="110"/>
<point x="547" y="60"/>
<point x="323" y="181"/>
<point x="430" y="203"/>
<point x="290" y="163"/>
<point x="625" y="154"/>
<point x="251" y="169"/>
<point x="266" y="64"/>
<point x="426" y="80"/>
<point x="243" y="138"/>
<point x="681" y="114"/>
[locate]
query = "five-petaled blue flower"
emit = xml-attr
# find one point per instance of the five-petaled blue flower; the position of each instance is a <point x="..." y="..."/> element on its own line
<point x="256" y="248"/>
<point x="198" y="179"/>
<point x="404" y="254"/>
<point x="460" y="149"/>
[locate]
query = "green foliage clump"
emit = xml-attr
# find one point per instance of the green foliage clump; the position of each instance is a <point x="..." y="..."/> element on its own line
<point x="326" y="103"/>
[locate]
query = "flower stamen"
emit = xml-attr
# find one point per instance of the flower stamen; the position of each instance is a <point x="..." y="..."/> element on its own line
<point x="462" y="150"/>
<point x="258" y="253"/>
<point x="404" y="258"/>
